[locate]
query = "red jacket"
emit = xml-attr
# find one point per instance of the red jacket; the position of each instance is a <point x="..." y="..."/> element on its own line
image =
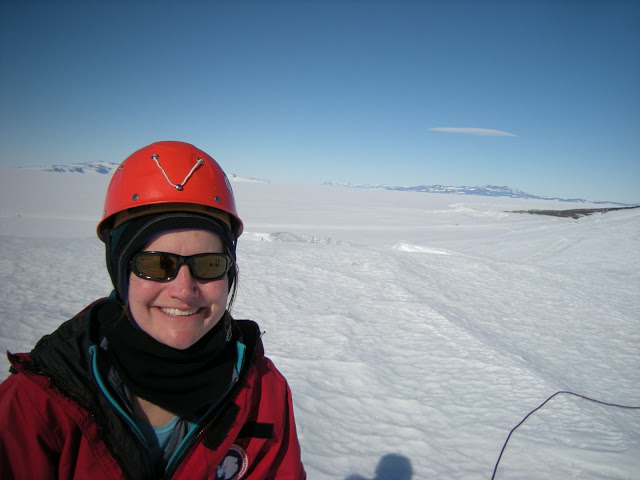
<point x="56" y="423"/>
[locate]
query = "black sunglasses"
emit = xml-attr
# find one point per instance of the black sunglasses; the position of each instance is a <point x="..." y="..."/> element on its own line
<point x="162" y="266"/>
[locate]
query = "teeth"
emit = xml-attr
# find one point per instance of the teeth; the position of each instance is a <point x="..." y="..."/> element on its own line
<point x="179" y="313"/>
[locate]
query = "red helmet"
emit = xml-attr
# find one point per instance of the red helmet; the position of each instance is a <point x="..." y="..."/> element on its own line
<point x="170" y="175"/>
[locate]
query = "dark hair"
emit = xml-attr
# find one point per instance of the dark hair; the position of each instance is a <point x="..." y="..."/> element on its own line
<point x="233" y="285"/>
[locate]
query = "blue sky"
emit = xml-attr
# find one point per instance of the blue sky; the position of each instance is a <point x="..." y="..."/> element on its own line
<point x="540" y="96"/>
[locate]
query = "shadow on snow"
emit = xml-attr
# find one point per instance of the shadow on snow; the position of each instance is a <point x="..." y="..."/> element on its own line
<point x="390" y="467"/>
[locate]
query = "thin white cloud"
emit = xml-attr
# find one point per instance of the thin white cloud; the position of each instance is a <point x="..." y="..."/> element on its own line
<point x="474" y="131"/>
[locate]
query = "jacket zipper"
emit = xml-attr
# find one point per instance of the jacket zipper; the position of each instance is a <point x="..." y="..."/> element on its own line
<point x="148" y="468"/>
<point x="193" y="437"/>
<point x="182" y="451"/>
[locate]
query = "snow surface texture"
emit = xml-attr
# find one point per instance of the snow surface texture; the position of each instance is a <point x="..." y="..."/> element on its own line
<point x="416" y="330"/>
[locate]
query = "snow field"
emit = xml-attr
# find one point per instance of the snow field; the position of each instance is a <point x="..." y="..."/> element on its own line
<point x="443" y="348"/>
<point x="420" y="325"/>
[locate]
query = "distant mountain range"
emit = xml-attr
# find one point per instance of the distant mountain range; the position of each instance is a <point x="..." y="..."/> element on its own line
<point x="485" y="190"/>
<point x="106" y="168"/>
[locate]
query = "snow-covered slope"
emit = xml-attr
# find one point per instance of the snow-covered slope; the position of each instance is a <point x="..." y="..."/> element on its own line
<point x="416" y="329"/>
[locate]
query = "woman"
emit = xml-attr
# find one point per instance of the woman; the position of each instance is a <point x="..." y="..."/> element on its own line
<point x="158" y="380"/>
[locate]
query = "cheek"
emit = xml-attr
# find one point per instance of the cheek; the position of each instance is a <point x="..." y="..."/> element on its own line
<point x="140" y="290"/>
<point x="216" y="292"/>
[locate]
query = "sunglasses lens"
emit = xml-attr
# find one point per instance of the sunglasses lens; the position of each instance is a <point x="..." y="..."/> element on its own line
<point x="165" y="266"/>
<point x="155" y="266"/>
<point x="210" y="266"/>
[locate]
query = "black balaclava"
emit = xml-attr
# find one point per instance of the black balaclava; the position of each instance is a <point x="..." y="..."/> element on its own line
<point x="128" y="238"/>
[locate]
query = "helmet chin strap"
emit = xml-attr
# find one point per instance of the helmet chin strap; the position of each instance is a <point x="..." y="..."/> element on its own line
<point x="178" y="186"/>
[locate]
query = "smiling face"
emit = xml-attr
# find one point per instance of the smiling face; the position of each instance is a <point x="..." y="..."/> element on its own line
<point x="181" y="311"/>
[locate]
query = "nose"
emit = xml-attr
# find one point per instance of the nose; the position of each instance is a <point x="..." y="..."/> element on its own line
<point x="184" y="285"/>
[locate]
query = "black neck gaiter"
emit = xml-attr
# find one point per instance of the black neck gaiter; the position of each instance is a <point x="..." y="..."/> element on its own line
<point x="180" y="381"/>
